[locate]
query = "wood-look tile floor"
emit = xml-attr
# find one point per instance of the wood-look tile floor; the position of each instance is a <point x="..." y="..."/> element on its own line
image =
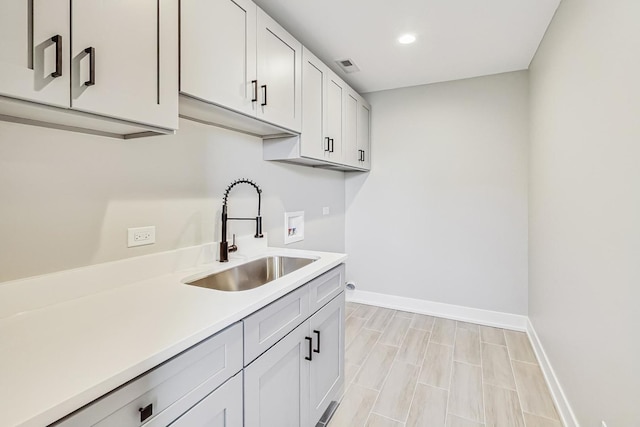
<point x="405" y="369"/>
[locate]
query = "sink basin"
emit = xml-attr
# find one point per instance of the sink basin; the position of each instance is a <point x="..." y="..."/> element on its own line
<point x="252" y="274"/>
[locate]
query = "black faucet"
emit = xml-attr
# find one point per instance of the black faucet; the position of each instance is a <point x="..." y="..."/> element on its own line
<point x="224" y="245"/>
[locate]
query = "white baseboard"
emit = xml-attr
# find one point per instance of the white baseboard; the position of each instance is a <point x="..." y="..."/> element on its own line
<point x="562" y="403"/>
<point x="456" y="312"/>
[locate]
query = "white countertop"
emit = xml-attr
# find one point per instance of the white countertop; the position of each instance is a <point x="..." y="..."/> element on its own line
<point x="56" y="355"/>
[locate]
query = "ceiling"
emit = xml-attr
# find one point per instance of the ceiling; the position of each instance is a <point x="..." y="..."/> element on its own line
<point x="456" y="39"/>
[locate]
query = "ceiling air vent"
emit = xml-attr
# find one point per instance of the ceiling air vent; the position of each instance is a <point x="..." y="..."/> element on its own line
<point x="347" y="65"/>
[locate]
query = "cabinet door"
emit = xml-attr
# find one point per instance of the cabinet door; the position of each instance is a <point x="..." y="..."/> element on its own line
<point x="276" y="385"/>
<point x="218" y="52"/>
<point x="364" y="134"/>
<point x="314" y="78"/>
<point x="279" y="75"/>
<point x="335" y="96"/>
<point x="351" y="154"/>
<point x="327" y="368"/>
<point x="29" y="54"/>
<point x="222" y="408"/>
<point x="124" y="60"/>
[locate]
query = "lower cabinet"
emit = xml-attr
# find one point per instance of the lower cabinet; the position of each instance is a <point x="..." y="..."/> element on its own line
<point x="222" y="408"/>
<point x="294" y="382"/>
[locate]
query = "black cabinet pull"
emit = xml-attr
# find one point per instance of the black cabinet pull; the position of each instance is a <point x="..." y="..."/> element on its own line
<point x="328" y="148"/>
<point x="331" y="150"/>
<point x="310" y="356"/>
<point x="92" y="66"/>
<point x="255" y="90"/>
<point x="363" y="155"/>
<point x="264" y="93"/>
<point x="317" y="350"/>
<point x="57" y="39"/>
<point x="146" y="412"/>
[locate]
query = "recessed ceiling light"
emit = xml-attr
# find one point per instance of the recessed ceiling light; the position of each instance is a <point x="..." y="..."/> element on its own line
<point x="406" y="39"/>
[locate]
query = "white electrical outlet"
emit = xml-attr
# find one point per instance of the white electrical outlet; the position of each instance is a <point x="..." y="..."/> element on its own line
<point x="326" y="210"/>
<point x="141" y="236"/>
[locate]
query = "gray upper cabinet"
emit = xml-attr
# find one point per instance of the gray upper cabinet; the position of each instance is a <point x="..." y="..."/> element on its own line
<point x="34" y="51"/>
<point x="120" y="79"/>
<point x="124" y="60"/>
<point x="234" y="56"/>
<point x="218" y="53"/>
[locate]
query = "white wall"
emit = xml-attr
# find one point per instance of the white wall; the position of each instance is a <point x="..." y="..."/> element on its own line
<point x="584" y="281"/>
<point x="67" y="198"/>
<point x="443" y="214"/>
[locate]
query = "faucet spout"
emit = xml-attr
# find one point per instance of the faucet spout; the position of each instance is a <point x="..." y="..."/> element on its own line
<point x="224" y="244"/>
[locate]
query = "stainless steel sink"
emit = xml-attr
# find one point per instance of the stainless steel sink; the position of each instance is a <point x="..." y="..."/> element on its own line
<point x="252" y="274"/>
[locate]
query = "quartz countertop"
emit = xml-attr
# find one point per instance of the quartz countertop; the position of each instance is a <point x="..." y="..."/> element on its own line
<point x="59" y="353"/>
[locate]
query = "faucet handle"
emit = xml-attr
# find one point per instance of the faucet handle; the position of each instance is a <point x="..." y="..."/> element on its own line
<point x="233" y="246"/>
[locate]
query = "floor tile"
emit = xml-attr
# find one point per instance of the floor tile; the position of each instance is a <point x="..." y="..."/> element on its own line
<point x="454" y="421"/>
<point x="365" y="311"/>
<point x="496" y="366"/>
<point x="414" y="346"/>
<point x="421" y="321"/>
<point x="532" y="388"/>
<point x="376" y="420"/>
<point x="354" y="408"/>
<point x="444" y="331"/>
<point x="376" y="368"/>
<point x="467" y="346"/>
<point x="396" y="394"/>
<point x="359" y="349"/>
<point x="395" y="331"/>
<point x="350" y="372"/>
<point x="492" y="335"/>
<point x="468" y="326"/>
<point x="466" y="392"/>
<point x="352" y="328"/>
<point x="405" y="314"/>
<point x="502" y="407"/>
<point x="379" y="320"/>
<point x="436" y="368"/>
<point x="520" y="347"/>
<point x="429" y="407"/>
<point x="531" y="420"/>
<point x="350" y="308"/>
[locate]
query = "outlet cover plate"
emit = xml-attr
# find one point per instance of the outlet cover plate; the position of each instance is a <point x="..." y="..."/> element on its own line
<point x="140" y="236"/>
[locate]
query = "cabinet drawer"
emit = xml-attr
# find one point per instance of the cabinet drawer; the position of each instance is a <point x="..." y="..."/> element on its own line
<point x="214" y="360"/>
<point x="324" y="288"/>
<point x="267" y="326"/>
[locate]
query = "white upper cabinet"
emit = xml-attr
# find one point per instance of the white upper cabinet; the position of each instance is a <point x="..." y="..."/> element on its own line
<point x="120" y="79"/>
<point x="351" y="151"/>
<point x="314" y="142"/>
<point x="235" y="56"/>
<point x="124" y="60"/>
<point x="279" y="74"/>
<point x="335" y="117"/>
<point x="218" y="53"/>
<point x="364" y="134"/>
<point x="34" y="51"/>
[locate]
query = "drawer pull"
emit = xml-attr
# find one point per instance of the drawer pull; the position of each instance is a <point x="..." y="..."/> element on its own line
<point x="146" y="412"/>
<point x="310" y="356"/>
<point x="317" y="350"/>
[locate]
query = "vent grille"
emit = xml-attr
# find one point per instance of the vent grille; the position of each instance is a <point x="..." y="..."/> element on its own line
<point x="347" y="65"/>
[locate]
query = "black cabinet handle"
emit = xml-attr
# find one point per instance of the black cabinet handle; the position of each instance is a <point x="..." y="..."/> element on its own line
<point x="57" y="39"/>
<point x="317" y="350"/>
<point x="331" y="150"/>
<point x="310" y="357"/>
<point x="146" y="412"/>
<point x="92" y="66"/>
<point x="264" y="93"/>
<point x="328" y="148"/>
<point x="363" y="155"/>
<point x="255" y="90"/>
